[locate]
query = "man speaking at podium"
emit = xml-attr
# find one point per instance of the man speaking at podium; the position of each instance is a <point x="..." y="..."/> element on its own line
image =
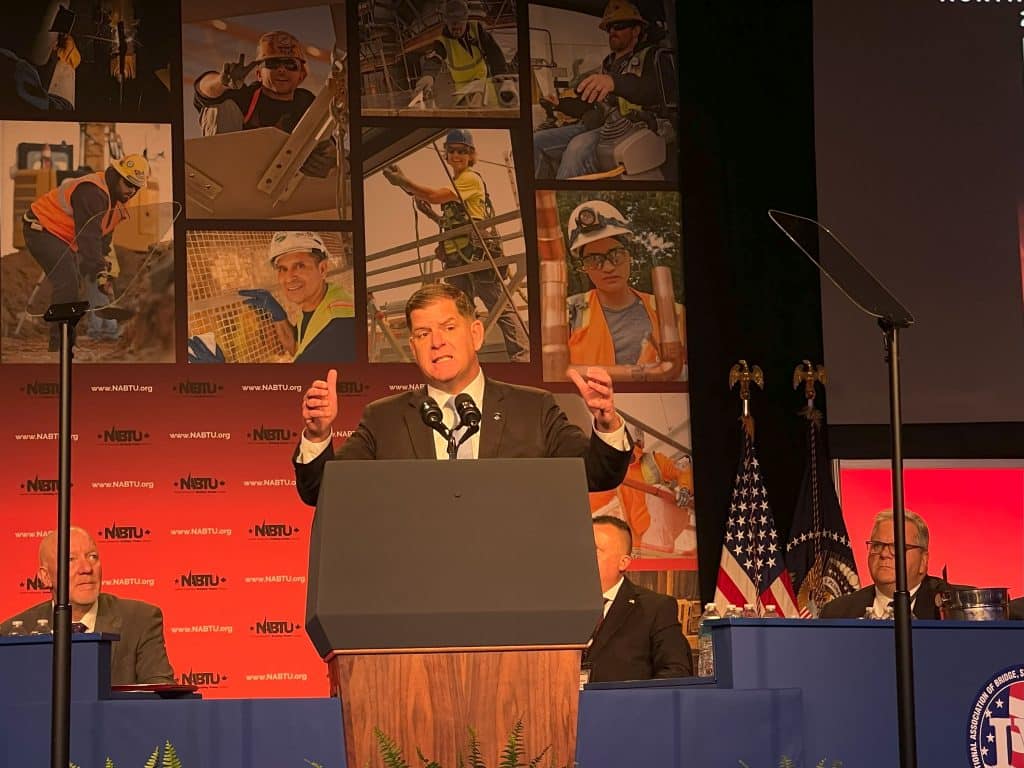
<point x="515" y="421"/>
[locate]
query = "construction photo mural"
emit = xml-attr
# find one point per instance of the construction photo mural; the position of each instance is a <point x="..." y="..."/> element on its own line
<point x="234" y="186"/>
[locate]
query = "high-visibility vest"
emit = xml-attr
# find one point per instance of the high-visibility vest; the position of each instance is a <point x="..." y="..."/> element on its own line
<point x="335" y="303"/>
<point x="54" y="212"/>
<point x="467" y="66"/>
<point x="590" y="340"/>
<point x="635" y="66"/>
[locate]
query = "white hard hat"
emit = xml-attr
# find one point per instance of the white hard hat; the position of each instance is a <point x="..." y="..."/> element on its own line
<point x="291" y="242"/>
<point x="594" y="220"/>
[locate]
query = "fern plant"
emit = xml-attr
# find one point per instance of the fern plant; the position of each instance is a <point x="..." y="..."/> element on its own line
<point x="512" y="754"/>
<point x="785" y="762"/>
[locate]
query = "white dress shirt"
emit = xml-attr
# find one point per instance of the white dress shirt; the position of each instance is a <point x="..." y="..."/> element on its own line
<point x="309" y="450"/>
<point x="881" y="604"/>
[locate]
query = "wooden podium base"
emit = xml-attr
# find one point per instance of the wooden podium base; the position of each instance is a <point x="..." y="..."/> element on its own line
<point x="429" y="700"/>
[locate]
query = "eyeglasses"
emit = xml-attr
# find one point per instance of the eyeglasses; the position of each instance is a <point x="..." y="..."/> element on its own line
<point x="878" y="547"/>
<point x="458" y="150"/>
<point x="292" y="65"/>
<point x="618" y="26"/>
<point x="615" y="256"/>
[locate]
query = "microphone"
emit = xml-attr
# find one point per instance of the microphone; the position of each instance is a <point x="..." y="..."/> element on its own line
<point x="469" y="416"/>
<point x="432" y="416"/>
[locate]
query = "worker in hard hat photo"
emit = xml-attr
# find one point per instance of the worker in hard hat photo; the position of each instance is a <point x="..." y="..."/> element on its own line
<point x="460" y="57"/>
<point x="466" y="201"/>
<point x="69" y="232"/>
<point x="612" y="319"/>
<point x="304" y="313"/>
<point x="591" y="123"/>
<point x="228" y="101"/>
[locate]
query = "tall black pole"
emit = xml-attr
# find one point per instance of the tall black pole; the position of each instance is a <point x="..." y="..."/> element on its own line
<point x="901" y="598"/>
<point x="67" y="315"/>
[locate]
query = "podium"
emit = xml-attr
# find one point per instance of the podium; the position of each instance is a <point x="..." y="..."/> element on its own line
<point x="429" y="597"/>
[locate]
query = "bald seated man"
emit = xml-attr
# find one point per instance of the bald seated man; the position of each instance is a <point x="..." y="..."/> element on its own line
<point x="140" y="656"/>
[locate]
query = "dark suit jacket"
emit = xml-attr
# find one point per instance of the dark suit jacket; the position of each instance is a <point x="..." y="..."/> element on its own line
<point x="139" y="656"/>
<point x="639" y="639"/>
<point x="1017" y="609"/>
<point x="518" y="422"/>
<point x="853" y="606"/>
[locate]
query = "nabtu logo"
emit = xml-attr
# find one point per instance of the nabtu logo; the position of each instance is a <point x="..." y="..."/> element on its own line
<point x="197" y="388"/>
<point x="274" y="628"/>
<point x="267" y="530"/>
<point x="200" y="581"/>
<point x="199" y="483"/>
<point x="117" y="533"/>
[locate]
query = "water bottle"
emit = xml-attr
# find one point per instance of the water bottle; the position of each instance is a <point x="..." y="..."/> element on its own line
<point x="42" y="627"/>
<point x="733" y="612"/>
<point x="748" y="611"/>
<point x="771" y="612"/>
<point x="17" y="628"/>
<point x="705" y="651"/>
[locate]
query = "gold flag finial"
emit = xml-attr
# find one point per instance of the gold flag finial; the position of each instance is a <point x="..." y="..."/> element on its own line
<point x="745" y="374"/>
<point x="809" y="374"/>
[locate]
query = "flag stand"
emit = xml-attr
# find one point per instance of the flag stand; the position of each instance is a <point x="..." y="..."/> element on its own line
<point x="836" y="262"/>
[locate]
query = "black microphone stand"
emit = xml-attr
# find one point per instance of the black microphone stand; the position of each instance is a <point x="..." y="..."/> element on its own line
<point x="862" y="288"/>
<point x="901" y="597"/>
<point x="67" y="315"/>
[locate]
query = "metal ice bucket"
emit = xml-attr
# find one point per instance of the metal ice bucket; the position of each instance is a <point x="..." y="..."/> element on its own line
<point x="962" y="604"/>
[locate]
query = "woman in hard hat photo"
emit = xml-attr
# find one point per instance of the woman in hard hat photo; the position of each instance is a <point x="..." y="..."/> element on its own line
<point x="634" y="334"/>
<point x="467" y="201"/>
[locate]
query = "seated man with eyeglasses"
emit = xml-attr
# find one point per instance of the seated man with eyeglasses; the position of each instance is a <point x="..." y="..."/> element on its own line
<point x="882" y="566"/>
<point x="613" y="323"/>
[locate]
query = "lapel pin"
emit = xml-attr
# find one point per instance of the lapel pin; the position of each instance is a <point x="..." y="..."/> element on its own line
<point x="497" y="416"/>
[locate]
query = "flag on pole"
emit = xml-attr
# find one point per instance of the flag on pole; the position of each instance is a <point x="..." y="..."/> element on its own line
<point x="752" y="569"/>
<point x="818" y="553"/>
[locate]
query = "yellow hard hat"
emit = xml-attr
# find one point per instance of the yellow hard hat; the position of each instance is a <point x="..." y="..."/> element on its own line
<point x="279" y="45"/>
<point x="620" y="10"/>
<point x="134" y="168"/>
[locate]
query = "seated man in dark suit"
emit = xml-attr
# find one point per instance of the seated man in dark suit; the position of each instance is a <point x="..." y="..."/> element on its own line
<point x="140" y="655"/>
<point x="640" y="637"/>
<point x="517" y="422"/>
<point x="882" y="565"/>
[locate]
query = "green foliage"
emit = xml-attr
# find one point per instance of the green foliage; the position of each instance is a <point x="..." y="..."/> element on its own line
<point x="389" y="751"/>
<point x="476" y="760"/>
<point x="512" y="755"/>
<point x="785" y="762"/>
<point x="426" y="763"/>
<point x="170" y="756"/>
<point x="513" y="748"/>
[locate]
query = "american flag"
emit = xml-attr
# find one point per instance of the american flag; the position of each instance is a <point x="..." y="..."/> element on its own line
<point x="752" y="569"/>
